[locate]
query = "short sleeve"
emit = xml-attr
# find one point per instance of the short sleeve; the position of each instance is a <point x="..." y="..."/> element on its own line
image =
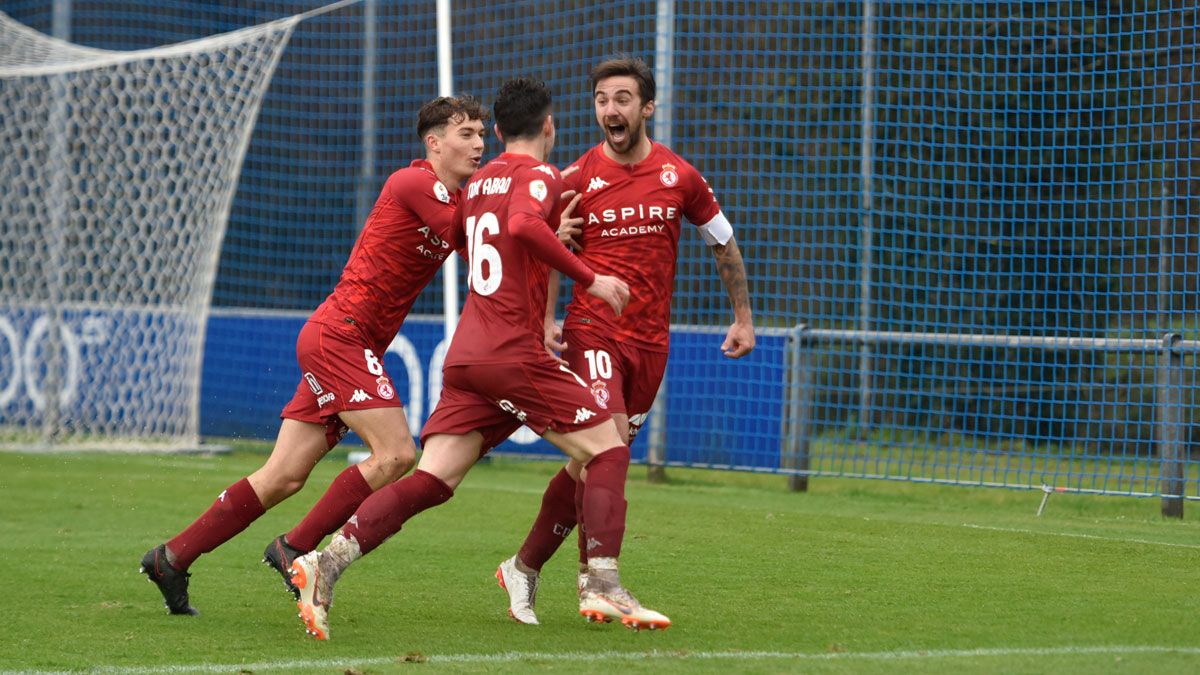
<point x="700" y="203"/>
<point x="426" y="196"/>
<point x="536" y="192"/>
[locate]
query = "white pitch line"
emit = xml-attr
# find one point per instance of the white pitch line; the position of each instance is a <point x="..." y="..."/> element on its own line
<point x="1077" y="535"/>
<point x="666" y="655"/>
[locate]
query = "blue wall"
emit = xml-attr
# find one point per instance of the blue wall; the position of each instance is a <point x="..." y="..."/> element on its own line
<point x="719" y="412"/>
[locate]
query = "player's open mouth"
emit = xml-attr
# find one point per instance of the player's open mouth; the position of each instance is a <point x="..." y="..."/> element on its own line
<point x="616" y="132"/>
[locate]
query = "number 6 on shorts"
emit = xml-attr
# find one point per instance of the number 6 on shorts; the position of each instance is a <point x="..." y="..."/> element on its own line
<point x="373" y="365"/>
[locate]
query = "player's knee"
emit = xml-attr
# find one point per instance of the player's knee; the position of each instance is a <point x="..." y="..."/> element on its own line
<point x="279" y="487"/>
<point x="393" y="462"/>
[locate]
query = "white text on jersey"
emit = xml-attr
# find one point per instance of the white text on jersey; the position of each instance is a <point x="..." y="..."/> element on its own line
<point x="436" y="242"/>
<point x="632" y="229"/>
<point x="638" y="212"/>
<point x="497" y="185"/>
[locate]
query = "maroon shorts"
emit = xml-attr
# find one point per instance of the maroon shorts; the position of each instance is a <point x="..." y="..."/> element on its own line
<point x="496" y="399"/>
<point x="622" y="376"/>
<point x="341" y="372"/>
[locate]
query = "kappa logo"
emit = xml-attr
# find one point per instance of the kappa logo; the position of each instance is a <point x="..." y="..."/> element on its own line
<point x="222" y="497"/>
<point x="583" y="415"/>
<point x="359" y="396"/>
<point x="596" y="183"/>
<point x="544" y="169"/>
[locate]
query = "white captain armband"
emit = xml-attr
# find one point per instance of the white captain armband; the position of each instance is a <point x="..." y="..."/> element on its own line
<point x="717" y="231"/>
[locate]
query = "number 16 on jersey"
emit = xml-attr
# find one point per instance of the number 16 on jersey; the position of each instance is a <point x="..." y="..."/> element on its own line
<point x="480" y="252"/>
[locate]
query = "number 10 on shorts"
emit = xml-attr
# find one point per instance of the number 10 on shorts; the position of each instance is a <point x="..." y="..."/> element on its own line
<point x="599" y="364"/>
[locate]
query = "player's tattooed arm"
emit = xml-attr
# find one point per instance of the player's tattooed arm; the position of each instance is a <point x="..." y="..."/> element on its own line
<point x="739" y="341"/>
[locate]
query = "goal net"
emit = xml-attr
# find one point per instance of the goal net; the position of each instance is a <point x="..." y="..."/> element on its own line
<point x="117" y="170"/>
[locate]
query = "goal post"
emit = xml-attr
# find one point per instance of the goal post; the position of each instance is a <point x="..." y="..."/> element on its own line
<point x="118" y="170"/>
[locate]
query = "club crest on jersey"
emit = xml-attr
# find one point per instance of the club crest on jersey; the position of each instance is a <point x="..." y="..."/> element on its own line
<point x="538" y="190"/>
<point x="600" y="393"/>
<point x="668" y="177"/>
<point x="385" y="389"/>
<point x="440" y="191"/>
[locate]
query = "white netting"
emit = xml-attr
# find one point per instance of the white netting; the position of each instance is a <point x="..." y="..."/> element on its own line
<point x="117" y="170"/>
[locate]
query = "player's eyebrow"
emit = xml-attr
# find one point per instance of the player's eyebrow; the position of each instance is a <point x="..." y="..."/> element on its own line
<point x="618" y="92"/>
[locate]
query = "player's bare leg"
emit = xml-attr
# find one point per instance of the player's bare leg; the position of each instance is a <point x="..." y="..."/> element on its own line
<point x="385" y="432"/>
<point x="297" y="449"/>
<point x="606" y="463"/>
<point x="393" y="453"/>
<point x="444" y="463"/>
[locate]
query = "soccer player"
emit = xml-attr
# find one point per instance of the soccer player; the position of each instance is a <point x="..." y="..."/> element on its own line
<point x="631" y="195"/>
<point x="340" y="350"/>
<point x="498" y="374"/>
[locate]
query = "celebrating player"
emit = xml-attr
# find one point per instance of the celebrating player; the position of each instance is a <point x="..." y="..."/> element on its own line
<point x="498" y="375"/>
<point x="340" y="350"/>
<point x="631" y="195"/>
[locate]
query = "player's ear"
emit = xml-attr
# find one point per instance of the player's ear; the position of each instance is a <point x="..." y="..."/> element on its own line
<point x="648" y="108"/>
<point x="496" y="130"/>
<point x="432" y="143"/>
<point x="548" y="125"/>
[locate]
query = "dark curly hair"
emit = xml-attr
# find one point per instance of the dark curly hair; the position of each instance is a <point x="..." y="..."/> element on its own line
<point x="521" y="107"/>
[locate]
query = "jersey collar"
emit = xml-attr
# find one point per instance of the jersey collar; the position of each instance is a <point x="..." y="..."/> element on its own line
<point x="654" y="148"/>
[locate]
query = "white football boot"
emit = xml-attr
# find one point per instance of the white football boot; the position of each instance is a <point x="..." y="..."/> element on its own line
<point x="604" y="600"/>
<point x="522" y="590"/>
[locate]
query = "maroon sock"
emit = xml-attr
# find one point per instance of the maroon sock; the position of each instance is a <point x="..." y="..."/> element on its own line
<point x="604" y="502"/>
<point x="344" y="495"/>
<point x="382" y="514"/>
<point x="554" y="522"/>
<point x="581" y="530"/>
<point x="233" y="512"/>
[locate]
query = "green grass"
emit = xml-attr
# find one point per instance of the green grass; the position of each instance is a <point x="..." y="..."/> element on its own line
<point x="852" y="577"/>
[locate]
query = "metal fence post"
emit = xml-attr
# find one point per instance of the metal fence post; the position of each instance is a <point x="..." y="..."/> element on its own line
<point x="656" y="449"/>
<point x="797" y="419"/>
<point x="1170" y="426"/>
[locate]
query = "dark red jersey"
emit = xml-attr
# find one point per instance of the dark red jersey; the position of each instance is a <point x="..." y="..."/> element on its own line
<point x="504" y="220"/>
<point x="400" y="249"/>
<point x="631" y="228"/>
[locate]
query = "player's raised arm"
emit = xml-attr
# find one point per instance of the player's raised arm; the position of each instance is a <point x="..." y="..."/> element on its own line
<point x="537" y="237"/>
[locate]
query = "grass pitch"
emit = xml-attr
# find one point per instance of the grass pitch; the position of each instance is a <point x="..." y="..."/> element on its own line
<point x="852" y="577"/>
